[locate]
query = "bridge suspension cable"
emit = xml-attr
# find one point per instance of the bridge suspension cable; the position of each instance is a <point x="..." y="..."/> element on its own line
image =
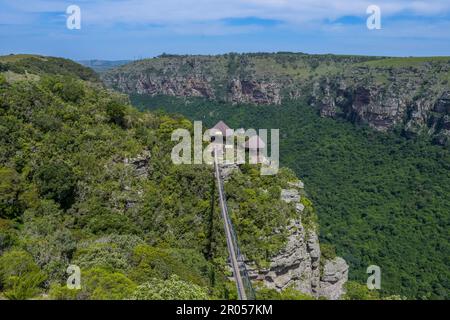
<point x="243" y="283"/>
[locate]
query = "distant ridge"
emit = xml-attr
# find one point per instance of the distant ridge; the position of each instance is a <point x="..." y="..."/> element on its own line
<point x="103" y="65"/>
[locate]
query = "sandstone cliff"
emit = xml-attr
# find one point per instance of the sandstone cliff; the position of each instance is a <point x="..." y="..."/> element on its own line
<point x="412" y="98"/>
<point x="300" y="264"/>
<point x="411" y="94"/>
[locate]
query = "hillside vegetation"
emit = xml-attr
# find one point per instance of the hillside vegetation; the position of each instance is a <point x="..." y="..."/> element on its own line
<point x="86" y="179"/>
<point x="381" y="199"/>
<point x="411" y="95"/>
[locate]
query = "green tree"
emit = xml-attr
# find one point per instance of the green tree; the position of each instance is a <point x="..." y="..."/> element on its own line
<point x="170" y="289"/>
<point x="116" y="113"/>
<point x="8" y="234"/>
<point x="101" y="284"/>
<point x="46" y="234"/>
<point x="20" y="277"/>
<point x="150" y="262"/>
<point x="68" y="88"/>
<point x="10" y="206"/>
<point x="112" y="252"/>
<point x="56" y="180"/>
<point x="358" y="291"/>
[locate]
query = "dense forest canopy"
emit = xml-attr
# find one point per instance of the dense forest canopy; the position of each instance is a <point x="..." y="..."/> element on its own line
<point x="86" y="179"/>
<point x="381" y="199"/>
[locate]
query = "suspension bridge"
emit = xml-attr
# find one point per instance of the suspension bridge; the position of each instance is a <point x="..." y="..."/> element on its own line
<point x="240" y="275"/>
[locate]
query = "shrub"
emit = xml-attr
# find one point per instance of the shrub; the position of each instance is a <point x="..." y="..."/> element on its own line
<point x="116" y="113"/>
<point x="160" y="263"/>
<point x="72" y="91"/>
<point x="111" y="252"/>
<point x="101" y="284"/>
<point x="2" y="78"/>
<point x="10" y="206"/>
<point x="108" y="222"/>
<point x="46" y="235"/>
<point x="62" y="292"/>
<point x="170" y="289"/>
<point x="357" y="291"/>
<point x="69" y="89"/>
<point x="8" y="234"/>
<point x="56" y="180"/>
<point x="20" y="277"/>
<point x="327" y="251"/>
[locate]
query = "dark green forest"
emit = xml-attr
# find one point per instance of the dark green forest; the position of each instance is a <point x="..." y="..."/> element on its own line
<point x="87" y="179"/>
<point x="381" y="198"/>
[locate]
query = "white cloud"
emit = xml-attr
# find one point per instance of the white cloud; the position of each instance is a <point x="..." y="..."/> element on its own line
<point x="198" y="10"/>
<point x="203" y="16"/>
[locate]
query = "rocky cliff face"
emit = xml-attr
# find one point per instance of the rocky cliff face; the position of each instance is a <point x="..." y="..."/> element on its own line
<point x="300" y="264"/>
<point x="246" y="78"/>
<point x="254" y="91"/>
<point x="407" y="93"/>
<point x="237" y="90"/>
<point x="406" y="98"/>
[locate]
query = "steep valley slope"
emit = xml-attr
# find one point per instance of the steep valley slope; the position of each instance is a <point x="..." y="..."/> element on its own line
<point x="408" y="94"/>
<point x="381" y="199"/>
<point x="381" y="186"/>
<point x="87" y="180"/>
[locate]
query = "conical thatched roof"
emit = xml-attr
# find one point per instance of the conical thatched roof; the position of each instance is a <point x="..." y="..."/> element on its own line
<point x="222" y="127"/>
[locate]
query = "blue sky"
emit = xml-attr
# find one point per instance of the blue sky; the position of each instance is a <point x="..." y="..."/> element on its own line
<point x="131" y="29"/>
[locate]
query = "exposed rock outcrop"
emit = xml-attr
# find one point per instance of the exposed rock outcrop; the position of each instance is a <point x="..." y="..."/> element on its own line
<point x="411" y="94"/>
<point x="136" y="167"/>
<point x="227" y="170"/>
<point x="298" y="265"/>
<point x="178" y="86"/>
<point x="334" y="276"/>
<point x="295" y="266"/>
<point x="140" y="164"/>
<point x="418" y="106"/>
<point x="252" y="91"/>
<point x="290" y="195"/>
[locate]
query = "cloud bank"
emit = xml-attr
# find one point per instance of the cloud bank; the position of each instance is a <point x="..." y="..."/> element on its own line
<point x="213" y="26"/>
<point x="176" y="12"/>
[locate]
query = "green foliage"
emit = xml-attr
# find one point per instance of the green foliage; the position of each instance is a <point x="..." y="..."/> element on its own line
<point x="47" y="65"/>
<point x="20" y="277"/>
<point x="10" y="206"/>
<point x="101" y="284"/>
<point x="257" y="211"/>
<point x="46" y="235"/>
<point x="150" y="262"/>
<point x="24" y="287"/>
<point x="8" y="234"/>
<point x="171" y="289"/>
<point x="116" y="113"/>
<point x="357" y="291"/>
<point x="327" y="251"/>
<point x="56" y="180"/>
<point x="381" y="199"/>
<point x="107" y="223"/>
<point x="62" y="292"/>
<point x="290" y="293"/>
<point x="68" y="88"/>
<point x="88" y="180"/>
<point x="309" y="215"/>
<point x="111" y="252"/>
